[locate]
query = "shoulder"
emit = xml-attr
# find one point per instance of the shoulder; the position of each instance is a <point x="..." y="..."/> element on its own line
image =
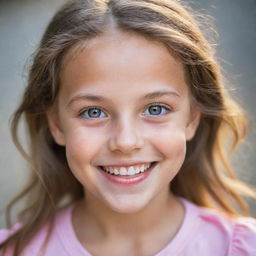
<point x="240" y="233"/>
<point x="53" y="247"/>
<point x="5" y="233"/>
<point x="237" y="235"/>
<point x="244" y="237"/>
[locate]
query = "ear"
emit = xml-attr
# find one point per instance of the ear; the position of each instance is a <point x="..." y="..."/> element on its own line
<point x="193" y="123"/>
<point x="55" y="127"/>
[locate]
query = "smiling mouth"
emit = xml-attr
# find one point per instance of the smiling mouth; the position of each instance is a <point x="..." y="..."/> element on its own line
<point x="128" y="171"/>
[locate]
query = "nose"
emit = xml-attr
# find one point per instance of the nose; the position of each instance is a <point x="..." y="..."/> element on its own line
<point x="125" y="137"/>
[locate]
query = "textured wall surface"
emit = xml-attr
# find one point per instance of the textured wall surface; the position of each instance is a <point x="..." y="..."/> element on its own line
<point x="22" y="24"/>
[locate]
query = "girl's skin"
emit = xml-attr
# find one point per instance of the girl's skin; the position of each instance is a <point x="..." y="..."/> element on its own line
<point x="123" y="68"/>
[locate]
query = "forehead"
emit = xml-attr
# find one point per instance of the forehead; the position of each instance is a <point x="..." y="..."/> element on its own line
<point x="121" y="59"/>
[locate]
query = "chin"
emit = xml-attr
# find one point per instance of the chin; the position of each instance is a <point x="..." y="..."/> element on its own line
<point x="127" y="206"/>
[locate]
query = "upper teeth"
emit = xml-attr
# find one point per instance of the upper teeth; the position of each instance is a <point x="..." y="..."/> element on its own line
<point x="131" y="170"/>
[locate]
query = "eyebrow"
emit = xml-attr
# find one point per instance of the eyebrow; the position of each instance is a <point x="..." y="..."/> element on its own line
<point x="97" y="98"/>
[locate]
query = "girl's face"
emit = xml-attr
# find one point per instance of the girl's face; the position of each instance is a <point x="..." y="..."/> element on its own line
<point x="123" y="105"/>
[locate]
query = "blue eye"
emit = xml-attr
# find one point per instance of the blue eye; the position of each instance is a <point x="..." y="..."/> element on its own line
<point x="156" y="110"/>
<point x="92" y="113"/>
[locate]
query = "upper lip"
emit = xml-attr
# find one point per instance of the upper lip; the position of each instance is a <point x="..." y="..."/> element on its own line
<point x="125" y="164"/>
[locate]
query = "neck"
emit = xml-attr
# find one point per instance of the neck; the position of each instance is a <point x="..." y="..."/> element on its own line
<point x="93" y="218"/>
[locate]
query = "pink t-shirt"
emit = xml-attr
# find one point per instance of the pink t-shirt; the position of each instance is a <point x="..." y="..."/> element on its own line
<point x="203" y="232"/>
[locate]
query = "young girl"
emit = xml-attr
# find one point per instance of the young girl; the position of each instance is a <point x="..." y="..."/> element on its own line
<point x="130" y="129"/>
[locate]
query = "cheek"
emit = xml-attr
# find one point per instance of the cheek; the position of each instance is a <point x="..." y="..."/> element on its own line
<point x="82" y="146"/>
<point x="171" y="143"/>
<point x="175" y="145"/>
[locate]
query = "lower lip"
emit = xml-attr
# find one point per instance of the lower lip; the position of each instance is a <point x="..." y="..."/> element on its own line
<point x="128" y="180"/>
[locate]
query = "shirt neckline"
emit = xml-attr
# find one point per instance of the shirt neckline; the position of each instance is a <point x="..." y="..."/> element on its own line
<point x="185" y="233"/>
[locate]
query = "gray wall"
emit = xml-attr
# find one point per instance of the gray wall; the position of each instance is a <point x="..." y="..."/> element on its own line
<point x="22" y="23"/>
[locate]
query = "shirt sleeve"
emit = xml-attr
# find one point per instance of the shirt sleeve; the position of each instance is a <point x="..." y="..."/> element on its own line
<point x="244" y="238"/>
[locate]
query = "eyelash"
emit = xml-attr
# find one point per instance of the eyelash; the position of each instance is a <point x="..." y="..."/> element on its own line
<point x="167" y="109"/>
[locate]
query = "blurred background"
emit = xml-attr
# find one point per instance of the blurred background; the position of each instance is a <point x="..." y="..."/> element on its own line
<point x="22" y="23"/>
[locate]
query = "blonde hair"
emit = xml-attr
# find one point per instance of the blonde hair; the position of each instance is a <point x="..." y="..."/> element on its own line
<point x="206" y="177"/>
